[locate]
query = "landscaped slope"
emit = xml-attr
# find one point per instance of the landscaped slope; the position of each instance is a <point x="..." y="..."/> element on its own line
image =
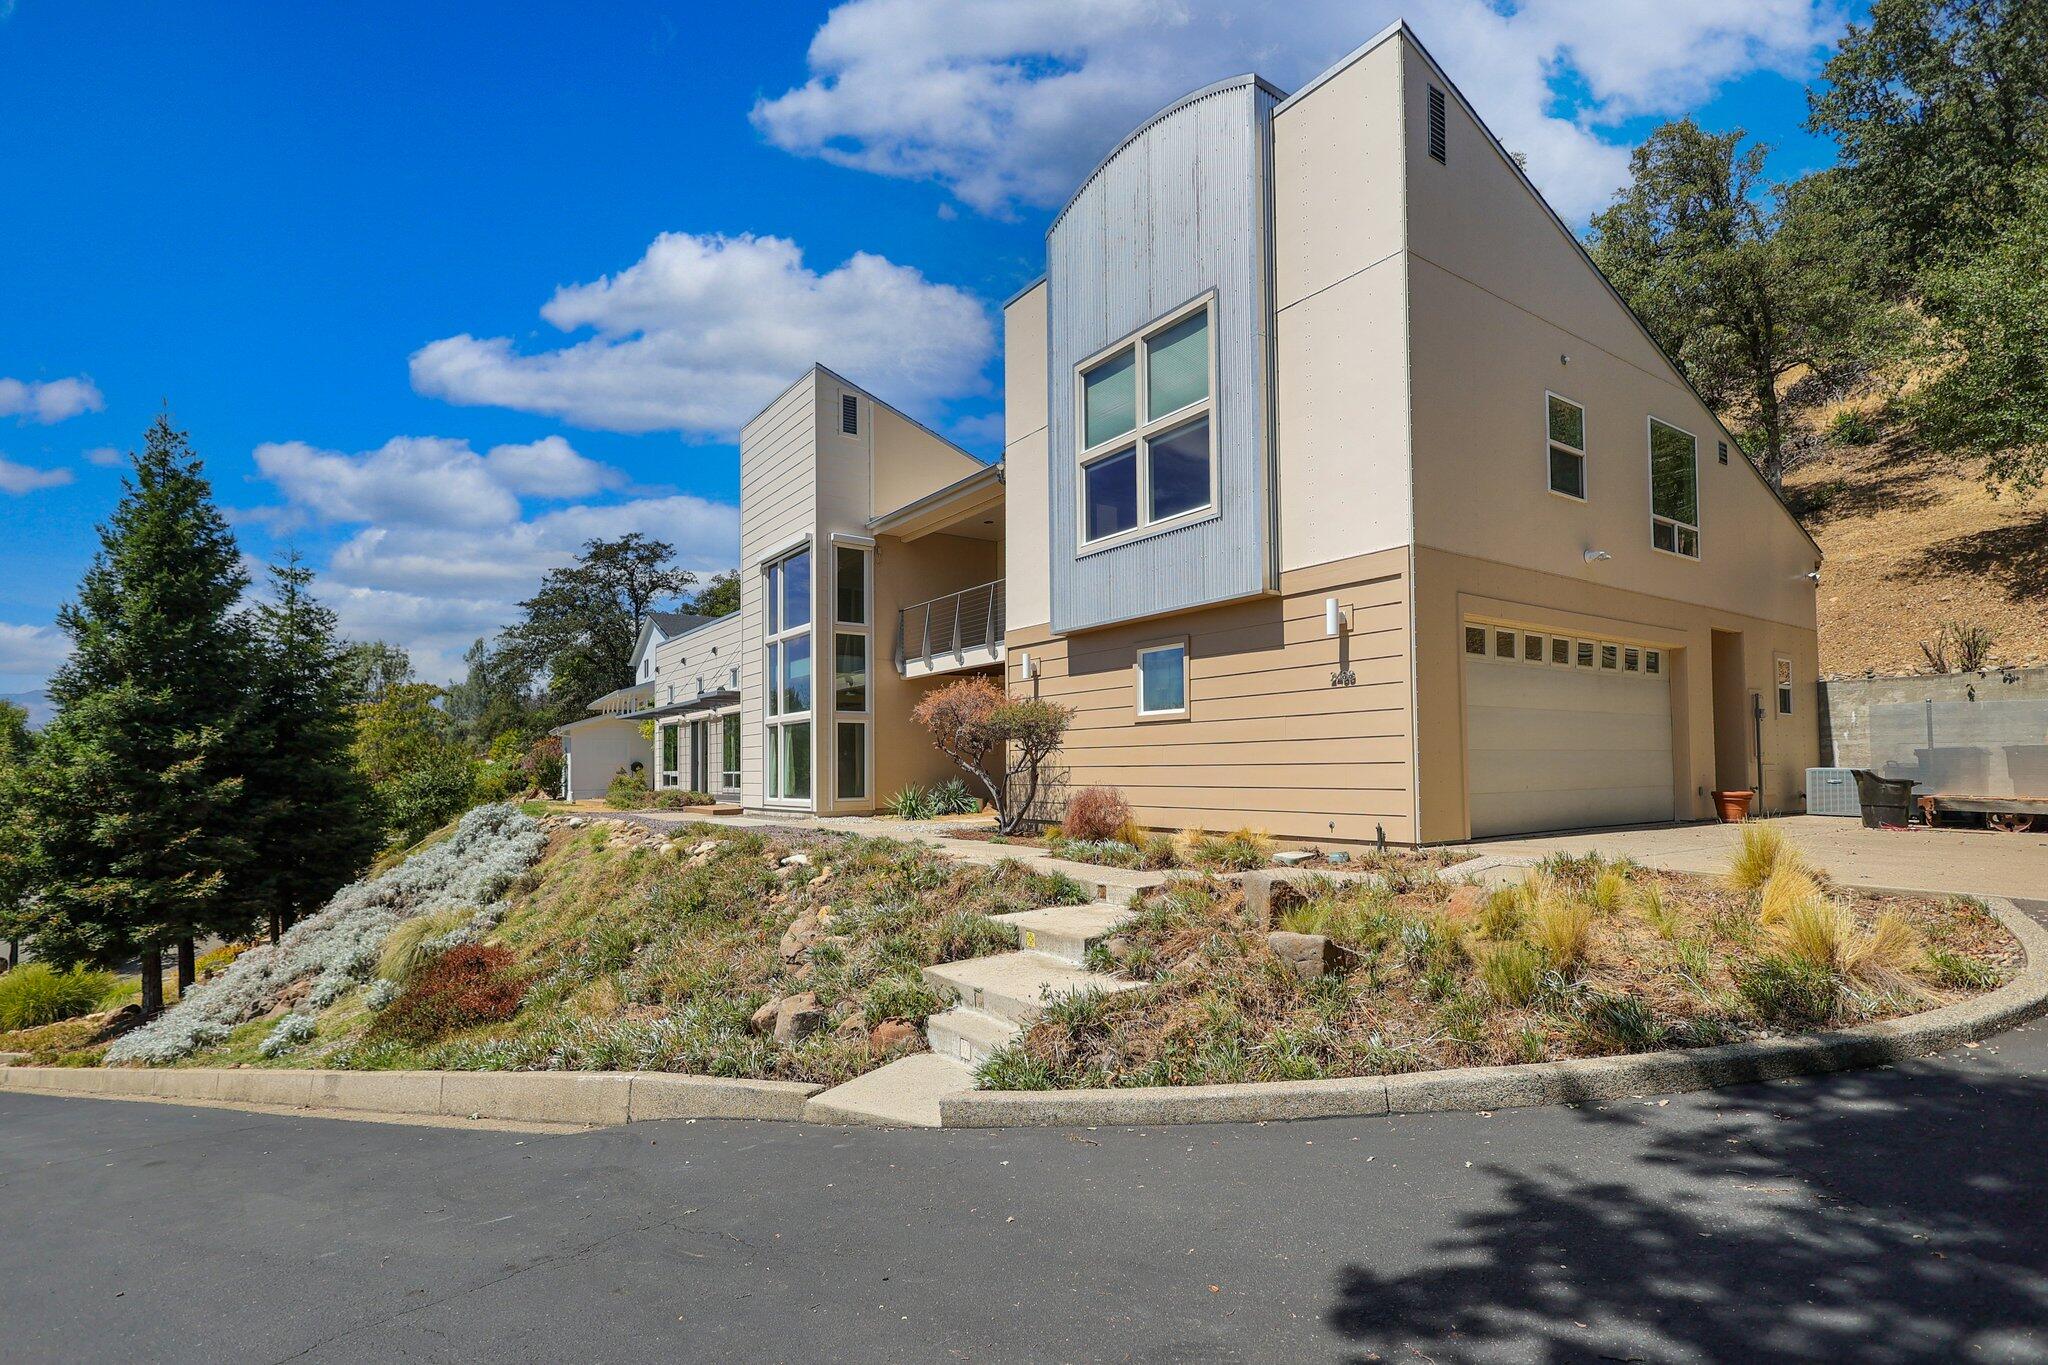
<point x="778" y="954"/>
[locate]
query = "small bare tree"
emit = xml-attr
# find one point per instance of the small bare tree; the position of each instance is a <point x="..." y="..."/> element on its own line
<point x="1000" y="743"/>
<point x="1959" y="648"/>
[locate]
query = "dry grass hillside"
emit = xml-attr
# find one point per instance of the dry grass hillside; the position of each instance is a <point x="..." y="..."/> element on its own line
<point x="1913" y="540"/>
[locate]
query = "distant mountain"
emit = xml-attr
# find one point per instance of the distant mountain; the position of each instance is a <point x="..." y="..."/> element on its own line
<point x="37" y="704"/>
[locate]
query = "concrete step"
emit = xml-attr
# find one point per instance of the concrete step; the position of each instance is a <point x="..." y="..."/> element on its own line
<point x="903" y="1094"/>
<point x="1065" y="931"/>
<point x="1016" y="986"/>
<point x="968" y="1036"/>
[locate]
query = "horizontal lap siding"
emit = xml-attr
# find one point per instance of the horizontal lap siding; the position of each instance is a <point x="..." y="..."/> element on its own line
<point x="1270" y="742"/>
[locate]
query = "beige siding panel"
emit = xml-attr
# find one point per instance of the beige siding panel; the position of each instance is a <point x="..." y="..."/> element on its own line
<point x="1027" y="576"/>
<point x="1270" y="740"/>
<point x="778" y="482"/>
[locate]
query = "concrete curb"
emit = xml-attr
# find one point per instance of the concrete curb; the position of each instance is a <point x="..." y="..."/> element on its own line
<point x="1512" y="1087"/>
<point x="590" y="1098"/>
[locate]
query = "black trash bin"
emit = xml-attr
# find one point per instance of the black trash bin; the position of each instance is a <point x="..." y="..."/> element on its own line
<point x="1885" y="800"/>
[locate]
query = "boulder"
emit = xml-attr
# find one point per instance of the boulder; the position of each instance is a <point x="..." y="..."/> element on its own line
<point x="799" y="936"/>
<point x="763" y="1019"/>
<point x="891" y="1033"/>
<point x="798" y="1017"/>
<point x="1267" y="895"/>
<point x="797" y="860"/>
<point x="1310" y="955"/>
<point x="852" y="1026"/>
<point x="1293" y="857"/>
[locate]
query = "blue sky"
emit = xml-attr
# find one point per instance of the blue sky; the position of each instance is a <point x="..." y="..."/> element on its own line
<point x="441" y="291"/>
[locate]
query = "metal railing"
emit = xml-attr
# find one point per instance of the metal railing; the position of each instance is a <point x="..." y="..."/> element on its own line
<point x="945" y="629"/>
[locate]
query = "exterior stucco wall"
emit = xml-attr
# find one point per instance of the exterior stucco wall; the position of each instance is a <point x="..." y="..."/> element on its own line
<point x="1027" y="581"/>
<point x="596" y="749"/>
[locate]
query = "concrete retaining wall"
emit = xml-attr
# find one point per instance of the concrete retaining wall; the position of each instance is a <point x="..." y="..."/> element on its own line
<point x="1978" y="734"/>
<point x="589" y="1097"/>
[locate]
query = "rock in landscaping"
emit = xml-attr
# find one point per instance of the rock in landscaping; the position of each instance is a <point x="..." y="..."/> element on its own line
<point x="852" y="1026"/>
<point x="891" y="1033"/>
<point x="1310" y="955"/>
<point x="763" y="1019"/>
<point x="707" y="847"/>
<point x="1267" y="895"/>
<point x="575" y="822"/>
<point x="797" y="860"/>
<point x="1465" y="901"/>
<point x="1293" y="857"/>
<point x="799" y="936"/>
<point x="798" y="1017"/>
<point x="1118" y="948"/>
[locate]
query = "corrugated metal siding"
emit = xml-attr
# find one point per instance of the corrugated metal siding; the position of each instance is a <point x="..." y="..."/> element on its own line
<point x="1180" y="210"/>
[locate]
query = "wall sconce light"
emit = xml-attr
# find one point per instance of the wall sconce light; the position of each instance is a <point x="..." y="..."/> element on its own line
<point x="1335" y="618"/>
<point x="1595" y="556"/>
<point x="1811" y="576"/>
<point x="1024" y="667"/>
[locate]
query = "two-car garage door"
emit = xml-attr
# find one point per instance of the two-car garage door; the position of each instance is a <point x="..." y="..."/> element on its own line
<point x="1564" y="732"/>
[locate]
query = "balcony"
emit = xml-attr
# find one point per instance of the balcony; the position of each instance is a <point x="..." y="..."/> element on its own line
<point x="949" y="634"/>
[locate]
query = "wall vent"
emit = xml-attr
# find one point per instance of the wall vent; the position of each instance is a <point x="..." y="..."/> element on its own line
<point x="1724" y="451"/>
<point x="849" y="414"/>
<point x="1436" y="123"/>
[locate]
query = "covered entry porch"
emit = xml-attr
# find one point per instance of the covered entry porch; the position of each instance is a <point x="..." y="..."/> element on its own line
<point x="697" y="747"/>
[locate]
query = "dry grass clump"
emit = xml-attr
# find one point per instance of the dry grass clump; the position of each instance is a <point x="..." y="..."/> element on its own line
<point x="1789" y="887"/>
<point x="1241" y="850"/>
<point x="1561" y="925"/>
<point x="1760" y="853"/>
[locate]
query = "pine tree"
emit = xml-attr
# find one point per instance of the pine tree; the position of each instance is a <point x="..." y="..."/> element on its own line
<point x="17" y="742"/>
<point x="132" y="804"/>
<point x="312" y="821"/>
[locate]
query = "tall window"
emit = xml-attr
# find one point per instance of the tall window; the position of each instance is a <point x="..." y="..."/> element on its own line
<point x="851" y="683"/>
<point x="729" y="751"/>
<point x="786" y="678"/>
<point x="1783" y="668"/>
<point x="670" y="735"/>
<point x="1147" y="451"/>
<point x="1567" y="426"/>
<point x="1674" y="490"/>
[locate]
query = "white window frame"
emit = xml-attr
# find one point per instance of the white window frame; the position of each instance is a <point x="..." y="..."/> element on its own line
<point x="1585" y="466"/>
<point x="1180" y="712"/>
<point x="665" y="777"/>
<point x="1138" y="439"/>
<point x="1650" y="425"/>
<point x="1781" y="683"/>
<point x="775" y="722"/>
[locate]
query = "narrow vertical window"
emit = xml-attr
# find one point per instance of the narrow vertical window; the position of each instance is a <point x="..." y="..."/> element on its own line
<point x="1566" y="424"/>
<point x="1784" y="681"/>
<point x="851" y="765"/>
<point x="786" y="684"/>
<point x="1674" y="490"/>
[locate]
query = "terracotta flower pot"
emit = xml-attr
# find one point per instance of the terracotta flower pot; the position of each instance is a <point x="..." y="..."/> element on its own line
<point x="1733" y="806"/>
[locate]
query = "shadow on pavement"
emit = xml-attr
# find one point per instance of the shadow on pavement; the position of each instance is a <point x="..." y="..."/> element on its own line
<point x="1888" y="1216"/>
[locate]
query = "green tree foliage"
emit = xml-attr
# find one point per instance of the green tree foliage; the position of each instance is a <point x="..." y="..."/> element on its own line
<point x="370" y="668"/>
<point x="17" y="742"/>
<point x="493" y="701"/>
<point x="720" y="596"/>
<point x="1740" y="284"/>
<point x="312" y="819"/>
<point x="132" y="804"/>
<point x="580" y="629"/>
<point x="1989" y="393"/>
<point x="1939" y="109"/>
<point x="409" y="750"/>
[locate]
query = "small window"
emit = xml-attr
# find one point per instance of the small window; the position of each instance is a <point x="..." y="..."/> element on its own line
<point x="1436" y="124"/>
<point x="1532" y="649"/>
<point x="1610" y="657"/>
<point x="1180" y="470"/>
<point x="1585" y="653"/>
<point x="1503" y="644"/>
<point x="1784" y="670"/>
<point x="1163" y="680"/>
<point x="1653" y="661"/>
<point x="1110" y="493"/>
<point x="1566" y="424"/>
<point x="850" y="573"/>
<point x="850" y="673"/>
<point x="1561" y="652"/>
<point x="1475" y="640"/>
<point x="849" y="414"/>
<point x="1110" y="398"/>
<point x="1631" y="660"/>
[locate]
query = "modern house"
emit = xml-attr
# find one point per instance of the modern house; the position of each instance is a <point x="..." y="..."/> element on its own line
<point x="1341" y="496"/>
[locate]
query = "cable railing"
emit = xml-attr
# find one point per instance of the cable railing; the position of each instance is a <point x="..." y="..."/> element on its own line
<point x="945" y="631"/>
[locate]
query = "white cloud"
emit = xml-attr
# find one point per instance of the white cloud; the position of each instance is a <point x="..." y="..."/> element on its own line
<point x="32" y="651"/>
<point x="702" y="331"/>
<point x="18" y="479"/>
<point x="106" y="457"/>
<point x="1009" y="102"/>
<point x="47" y="402"/>
<point x="444" y="548"/>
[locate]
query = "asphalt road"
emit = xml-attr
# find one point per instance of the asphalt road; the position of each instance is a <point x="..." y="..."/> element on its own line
<point x="1880" y="1216"/>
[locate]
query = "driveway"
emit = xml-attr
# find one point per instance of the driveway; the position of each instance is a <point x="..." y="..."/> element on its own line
<point x="1918" y="859"/>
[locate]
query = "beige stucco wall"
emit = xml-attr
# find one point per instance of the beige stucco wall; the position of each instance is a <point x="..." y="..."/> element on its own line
<point x="909" y="461"/>
<point x="1027" y="579"/>
<point x="1271" y="739"/>
<point x="1448" y="588"/>
<point x="907" y="572"/>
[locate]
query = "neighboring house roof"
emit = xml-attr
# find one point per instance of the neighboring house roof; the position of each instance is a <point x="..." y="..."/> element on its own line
<point x="674" y="623"/>
<point x="622" y="700"/>
<point x="589" y="721"/>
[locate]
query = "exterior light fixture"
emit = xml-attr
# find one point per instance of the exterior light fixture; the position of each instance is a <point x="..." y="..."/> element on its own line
<point x="1595" y="556"/>
<point x="1333" y="616"/>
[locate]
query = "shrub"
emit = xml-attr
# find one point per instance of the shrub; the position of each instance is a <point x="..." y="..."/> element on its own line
<point x="1608" y="891"/>
<point x="38" y="994"/>
<point x="1561" y="928"/>
<point x="628" y="791"/>
<point x="1816" y="931"/>
<point x="1616" y="1023"/>
<point x="1241" y="850"/>
<point x="412" y="943"/>
<point x="999" y="743"/>
<point x="1512" y="972"/>
<point x="1789" y="886"/>
<point x="220" y="958"/>
<point x="1105" y="852"/>
<point x="1095" y="813"/>
<point x="542" y="764"/>
<point x="380" y="994"/>
<point x="951" y="797"/>
<point x="1966" y="973"/>
<point x="1761" y="852"/>
<point x="468" y="985"/>
<point x="421" y="799"/>
<point x="291" y="1031"/>
<point x="912" y="803"/>
<point x="1852" y="428"/>
<point x="1789" y="992"/>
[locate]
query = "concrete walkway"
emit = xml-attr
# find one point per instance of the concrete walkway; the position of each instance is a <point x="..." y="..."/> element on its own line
<point x="1981" y="862"/>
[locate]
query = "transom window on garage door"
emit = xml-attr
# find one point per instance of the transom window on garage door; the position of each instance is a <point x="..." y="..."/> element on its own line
<point x="1542" y="649"/>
